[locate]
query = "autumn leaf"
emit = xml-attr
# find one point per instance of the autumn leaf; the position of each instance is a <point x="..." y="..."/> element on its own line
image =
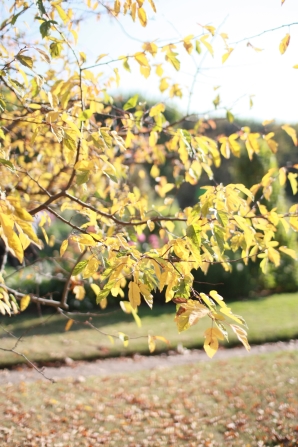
<point x="284" y="44"/>
<point x="68" y="325"/>
<point x="141" y="59"/>
<point x="24" y="303"/>
<point x="142" y="16"/>
<point x="134" y="294"/>
<point x="241" y="334"/>
<point x="291" y="132"/>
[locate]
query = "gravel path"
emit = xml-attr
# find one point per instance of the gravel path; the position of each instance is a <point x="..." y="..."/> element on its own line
<point x="79" y="370"/>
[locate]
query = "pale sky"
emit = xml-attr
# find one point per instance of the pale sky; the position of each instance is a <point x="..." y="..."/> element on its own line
<point x="268" y="75"/>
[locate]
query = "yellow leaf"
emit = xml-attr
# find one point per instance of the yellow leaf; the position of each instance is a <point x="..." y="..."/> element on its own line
<point x="161" y="338"/>
<point x="293" y="181"/>
<point x="289" y="252"/>
<point x="91" y="267"/>
<point x="291" y="132"/>
<point x="253" y="47"/>
<point x="151" y="343"/>
<point x="151" y="225"/>
<point x="142" y="16"/>
<point x="193" y="312"/>
<point x="134" y="294"/>
<point x="117" y="6"/>
<point x="68" y="325"/>
<point x="4" y="308"/>
<point x="211" y="29"/>
<point x="141" y="59"/>
<point x="145" y="71"/>
<point x="284" y="44"/>
<point x="295" y="66"/>
<point x="171" y="57"/>
<point x="294" y="218"/>
<point x="61" y="12"/>
<point x="100" y="57"/>
<point x="187" y="43"/>
<point x="209" y="47"/>
<point x="125" y="306"/>
<point x="124" y="338"/>
<point x="226" y="55"/>
<point x="24" y="303"/>
<point x="12" y="240"/>
<point x="103" y="303"/>
<point x="75" y="36"/>
<point x="133" y="10"/>
<point x="159" y="70"/>
<point x="63" y="247"/>
<point x="227" y="311"/>
<point x="152" y="5"/>
<point x="79" y="292"/>
<point x="156" y="110"/>
<point x="163" y="85"/>
<point x="274" y="256"/>
<point x="150" y="47"/>
<point x="241" y="334"/>
<point x="214" y="332"/>
<point x="211" y="346"/>
<point x="218" y="298"/>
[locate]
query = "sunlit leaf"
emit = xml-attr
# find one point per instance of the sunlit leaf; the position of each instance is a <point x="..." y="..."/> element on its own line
<point x="80" y="266"/>
<point x="142" y="16"/>
<point x="284" y="44"/>
<point x="241" y="334"/>
<point x="24" y="303"/>
<point x="211" y="346"/>
<point x="27" y="61"/>
<point x="68" y="325"/>
<point x="291" y="132"/>
<point x="134" y="294"/>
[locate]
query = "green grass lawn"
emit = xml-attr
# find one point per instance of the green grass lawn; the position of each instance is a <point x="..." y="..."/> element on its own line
<point x="45" y="339"/>
<point x="252" y="401"/>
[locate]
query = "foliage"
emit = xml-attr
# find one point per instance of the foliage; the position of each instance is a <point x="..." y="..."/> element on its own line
<point x="58" y="161"/>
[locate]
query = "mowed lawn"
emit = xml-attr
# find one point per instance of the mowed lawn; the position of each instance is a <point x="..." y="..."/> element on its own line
<point x="45" y="339"/>
<point x="252" y="401"/>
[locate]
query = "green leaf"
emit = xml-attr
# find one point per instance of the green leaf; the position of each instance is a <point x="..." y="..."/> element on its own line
<point x="182" y="290"/>
<point x="230" y="116"/>
<point x="27" y="61"/>
<point x="198" y="47"/>
<point x="102" y="295"/>
<point x="69" y="142"/>
<point x="219" y="236"/>
<point x="82" y="177"/>
<point x="79" y="267"/>
<point x="17" y="83"/>
<point x="7" y="163"/>
<point x="45" y="28"/>
<point x="16" y="16"/>
<point x="222" y="218"/>
<point x="85" y="115"/>
<point x="55" y="49"/>
<point x="193" y="232"/>
<point x="2" y="105"/>
<point x="39" y="4"/>
<point x="131" y="103"/>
